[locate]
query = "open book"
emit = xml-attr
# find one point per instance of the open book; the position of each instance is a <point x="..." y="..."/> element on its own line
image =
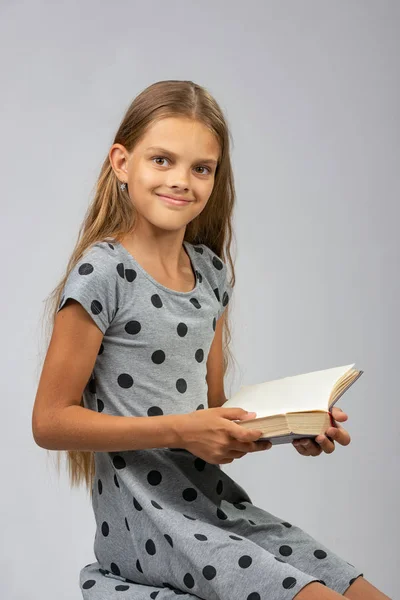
<point x="294" y="407"/>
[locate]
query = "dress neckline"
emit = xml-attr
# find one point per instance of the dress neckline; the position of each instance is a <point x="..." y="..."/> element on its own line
<point x="189" y="249"/>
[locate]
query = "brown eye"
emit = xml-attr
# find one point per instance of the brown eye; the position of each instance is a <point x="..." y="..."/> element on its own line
<point x="159" y="158"/>
<point x="209" y="170"/>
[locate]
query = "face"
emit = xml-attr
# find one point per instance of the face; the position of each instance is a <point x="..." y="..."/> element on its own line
<point x="176" y="157"/>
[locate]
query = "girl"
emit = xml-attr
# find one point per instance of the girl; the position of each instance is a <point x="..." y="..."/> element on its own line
<point x="140" y="330"/>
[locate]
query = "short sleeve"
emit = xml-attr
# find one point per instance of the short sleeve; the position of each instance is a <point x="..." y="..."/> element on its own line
<point x="220" y="280"/>
<point x="93" y="283"/>
<point x="225" y="290"/>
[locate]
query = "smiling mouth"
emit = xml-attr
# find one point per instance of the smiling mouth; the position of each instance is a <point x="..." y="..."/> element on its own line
<point x="177" y="198"/>
<point x="173" y="201"/>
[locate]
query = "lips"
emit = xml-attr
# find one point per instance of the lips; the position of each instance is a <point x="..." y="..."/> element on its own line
<point x="179" y="198"/>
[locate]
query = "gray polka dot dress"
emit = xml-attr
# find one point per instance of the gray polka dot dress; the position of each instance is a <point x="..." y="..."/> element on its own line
<point x="167" y="522"/>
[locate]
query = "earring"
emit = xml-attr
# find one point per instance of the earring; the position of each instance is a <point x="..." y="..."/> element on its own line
<point x="122" y="186"/>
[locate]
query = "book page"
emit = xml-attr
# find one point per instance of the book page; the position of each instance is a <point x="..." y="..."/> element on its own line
<point x="309" y="391"/>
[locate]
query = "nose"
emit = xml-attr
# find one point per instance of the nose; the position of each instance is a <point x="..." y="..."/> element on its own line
<point x="178" y="179"/>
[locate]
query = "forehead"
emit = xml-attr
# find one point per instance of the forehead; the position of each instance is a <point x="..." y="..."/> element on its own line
<point x="181" y="135"/>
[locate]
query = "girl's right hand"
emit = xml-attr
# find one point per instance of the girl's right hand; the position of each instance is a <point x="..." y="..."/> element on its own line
<point x="211" y="435"/>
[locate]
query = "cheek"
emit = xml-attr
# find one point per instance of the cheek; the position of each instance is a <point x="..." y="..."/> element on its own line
<point x="145" y="178"/>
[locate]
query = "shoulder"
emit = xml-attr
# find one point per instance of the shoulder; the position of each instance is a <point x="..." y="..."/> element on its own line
<point x="95" y="282"/>
<point x="101" y="259"/>
<point x="215" y="271"/>
<point x="98" y="268"/>
<point x="209" y="259"/>
<point x="102" y="252"/>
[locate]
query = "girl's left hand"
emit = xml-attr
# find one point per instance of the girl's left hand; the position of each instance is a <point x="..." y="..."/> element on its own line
<point x="314" y="447"/>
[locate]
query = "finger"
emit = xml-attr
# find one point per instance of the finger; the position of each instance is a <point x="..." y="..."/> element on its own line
<point x="326" y="444"/>
<point x="301" y="449"/>
<point x="338" y="414"/>
<point x="307" y="447"/>
<point x="340" y="435"/>
<point x="263" y="446"/>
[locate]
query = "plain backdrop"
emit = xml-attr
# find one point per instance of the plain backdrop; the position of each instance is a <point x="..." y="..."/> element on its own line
<point x="310" y="90"/>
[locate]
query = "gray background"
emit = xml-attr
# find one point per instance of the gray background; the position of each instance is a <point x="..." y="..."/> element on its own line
<point x="310" y="90"/>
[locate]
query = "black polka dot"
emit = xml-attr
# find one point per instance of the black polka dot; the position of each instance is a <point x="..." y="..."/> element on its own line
<point x="225" y="299"/>
<point x="195" y="302"/>
<point x="139" y="566"/>
<point x="100" y="486"/>
<point x="156" y="301"/>
<point x="127" y="524"/>
<point x="221" y="515"/>
<point x="286" y="524"/>
<point x="169" y="539"/>
<point x="320" y="554"/>
<point x="245" y="561"/>
<point x="130" y="275"/>
<point x="96" y="307"/>
<point x="214" y="323"/>
<point x="85" y="269"/>
<point x="200" y="537"/>
<point x="158" y="357"/>
<point x="254" y="596"/>
<point x="189" y="494"/>
<point x="199" y="276"/>
<point x="100" y="405"/>
<point x="216" y="292"/>
<point x="150" y="547"/>
<point x="116" y="481"/>
<point x="156" y="505"/>
<point x="88" y="584"/>
<point x="199" y="464"/>
<point x="121" y="588"/>
<point x="154" y="411"/>
<point x="136" y="504"/>
<point x="198" y="249"/>
<point x="120" y="270"/>
<point x="125" y="380"/>
<point x="285" y="550"/>
<point x="220" y="487"/>
<point x="101" y="350"/>
<point x="188" y="580"/>
<point x="115" y="569"/>
<point x="92" y="386"/>
<point x="217" y="263"/>
<point x="181" y="386"/>
<point x="279" y="559"/>
<point x="209" y="572"/>
<point x="154" y="477"/>
<point x="133" y="327"/>
<point x="182" y="329"/>
<point x="289" y="583"/>
<point x="119" y="462"/>
<point x="105" y="529"/>
<point x="199" y="355"/>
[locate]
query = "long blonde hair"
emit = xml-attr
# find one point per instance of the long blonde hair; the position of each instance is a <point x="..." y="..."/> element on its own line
<point x="112" y="214"/>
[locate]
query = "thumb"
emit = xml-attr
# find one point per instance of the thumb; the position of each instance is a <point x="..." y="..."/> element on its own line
<point x="237" y="414"/>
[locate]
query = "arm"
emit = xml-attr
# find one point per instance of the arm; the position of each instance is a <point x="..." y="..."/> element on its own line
<point x="215" y="377"/>
<point x="58" y="420"/>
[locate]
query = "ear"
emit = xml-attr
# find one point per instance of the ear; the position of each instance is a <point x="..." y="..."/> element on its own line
<point x="119" y="157"/>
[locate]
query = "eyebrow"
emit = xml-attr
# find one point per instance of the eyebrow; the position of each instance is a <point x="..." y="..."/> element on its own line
<point x="210" y="161"/>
